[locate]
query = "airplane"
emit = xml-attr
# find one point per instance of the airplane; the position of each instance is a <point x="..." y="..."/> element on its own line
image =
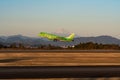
<point x="56" y="37"/>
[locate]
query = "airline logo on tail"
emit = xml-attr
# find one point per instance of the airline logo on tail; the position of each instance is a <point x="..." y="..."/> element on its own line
<point x="71" y="36"/>
<point x="56" y="37"/>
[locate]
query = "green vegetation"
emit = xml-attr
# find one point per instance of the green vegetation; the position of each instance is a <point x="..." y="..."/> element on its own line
<point x="91" y="45"/>
<point x="81" y="46"/>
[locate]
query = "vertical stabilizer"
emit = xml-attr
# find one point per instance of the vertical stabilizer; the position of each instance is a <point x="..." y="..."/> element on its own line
<point x="71" y="36"/>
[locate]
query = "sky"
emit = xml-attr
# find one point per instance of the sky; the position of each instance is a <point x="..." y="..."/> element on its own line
<point x="82" y="17"/>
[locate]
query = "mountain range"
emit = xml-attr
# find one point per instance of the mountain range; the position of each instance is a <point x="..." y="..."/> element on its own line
<point x="41" y="41"/>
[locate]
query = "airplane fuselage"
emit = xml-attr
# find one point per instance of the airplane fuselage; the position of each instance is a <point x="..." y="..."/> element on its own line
<point x="54" y="37"/>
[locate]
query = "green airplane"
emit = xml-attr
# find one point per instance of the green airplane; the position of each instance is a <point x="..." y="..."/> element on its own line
<point x="56" y="37"/>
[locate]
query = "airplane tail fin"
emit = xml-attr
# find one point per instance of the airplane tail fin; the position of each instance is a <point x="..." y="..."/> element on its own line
<point x="71" y="36"/>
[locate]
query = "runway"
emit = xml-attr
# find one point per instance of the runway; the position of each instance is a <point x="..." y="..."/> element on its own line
<point x="34" y="64"/>
<point x="59" y="58"/>
<point x="60" y="51"/>
<point x="25" y="72"/>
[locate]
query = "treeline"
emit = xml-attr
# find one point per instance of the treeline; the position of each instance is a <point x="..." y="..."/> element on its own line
<point x="13" y="45"/>
<point x="81" y="46"/>
<point x="23" y="46"/>
<point x="91" y="45"/>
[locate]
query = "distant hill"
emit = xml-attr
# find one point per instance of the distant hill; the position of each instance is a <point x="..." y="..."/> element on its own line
<point x="99" y="39"/>
<point x="40" y="41"/>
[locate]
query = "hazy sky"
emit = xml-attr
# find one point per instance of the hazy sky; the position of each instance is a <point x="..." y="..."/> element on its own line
<point x="83" y="17"/>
